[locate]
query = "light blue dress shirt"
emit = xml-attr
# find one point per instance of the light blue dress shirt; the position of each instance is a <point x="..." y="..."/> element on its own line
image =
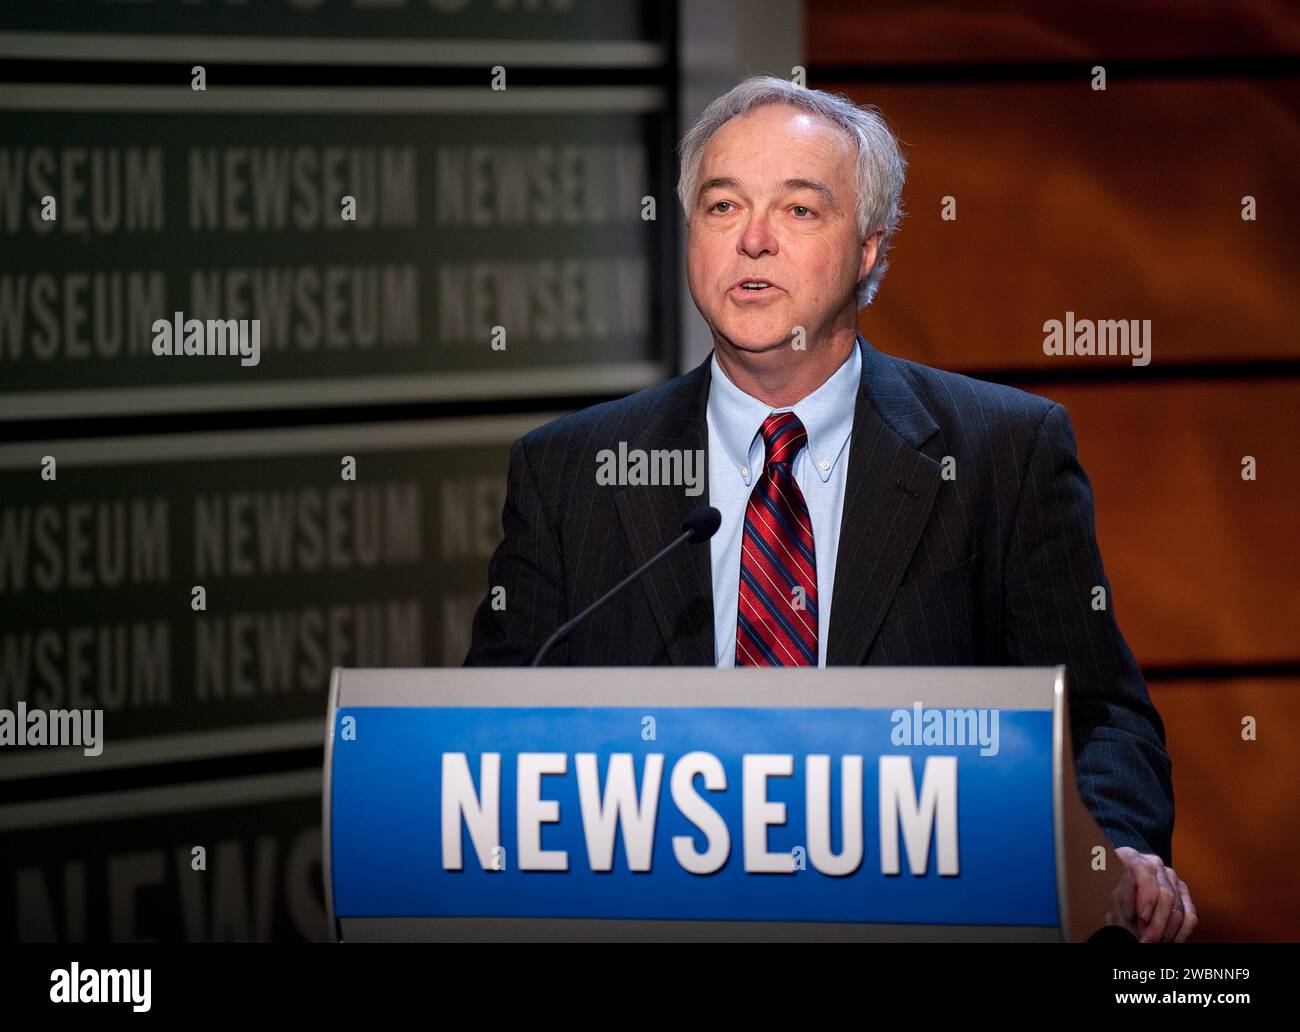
<point x="735" y="463"/>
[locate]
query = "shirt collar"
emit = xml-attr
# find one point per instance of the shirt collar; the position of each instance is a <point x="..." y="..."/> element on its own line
<point x="826" y="414"/>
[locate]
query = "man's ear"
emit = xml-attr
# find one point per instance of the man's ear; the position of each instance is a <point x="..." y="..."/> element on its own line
<point x="870" y="247"/>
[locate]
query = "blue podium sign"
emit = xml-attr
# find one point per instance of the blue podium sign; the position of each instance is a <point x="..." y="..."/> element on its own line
<point x="902" y="798"/>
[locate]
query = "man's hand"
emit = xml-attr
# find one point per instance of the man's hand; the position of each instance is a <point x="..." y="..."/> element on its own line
<point x="1151" y="901"/>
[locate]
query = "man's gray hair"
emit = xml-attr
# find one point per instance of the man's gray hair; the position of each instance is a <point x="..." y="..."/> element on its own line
<point x="881" y="166"/>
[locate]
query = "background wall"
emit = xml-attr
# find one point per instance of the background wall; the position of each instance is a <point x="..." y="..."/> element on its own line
<point x="1127" y="204"/>
<point x="176" y="474"/>
<point x="217" y="536"/>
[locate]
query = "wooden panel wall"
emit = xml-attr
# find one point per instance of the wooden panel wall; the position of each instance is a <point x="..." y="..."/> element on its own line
<point x="1127" y="204"/>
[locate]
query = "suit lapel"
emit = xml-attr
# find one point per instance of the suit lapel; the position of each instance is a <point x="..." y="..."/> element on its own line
<point x="889" y="491"/>
<point x="680" y="588"/>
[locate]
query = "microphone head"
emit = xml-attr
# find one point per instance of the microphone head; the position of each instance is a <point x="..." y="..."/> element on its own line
<point x="703" y="523"/>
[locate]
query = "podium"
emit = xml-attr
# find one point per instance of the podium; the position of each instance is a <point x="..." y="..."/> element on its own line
<point x="678" y="803"/>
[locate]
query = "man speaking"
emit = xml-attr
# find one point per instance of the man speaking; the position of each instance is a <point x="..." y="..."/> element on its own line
<point x="874" y="511"/>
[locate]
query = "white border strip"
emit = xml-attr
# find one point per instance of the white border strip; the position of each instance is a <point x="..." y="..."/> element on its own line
<point x="466" y="385"/>
<point x="541" y="688"/>
<point x="1058" y="805"/>
<point x="231" y="444"/>
<point x="71" y="46"/>
<point x="289" y="734"/>
<point x="326" y="809"/>
<point x="262" y="100"/>
<point x="150" y="802"/>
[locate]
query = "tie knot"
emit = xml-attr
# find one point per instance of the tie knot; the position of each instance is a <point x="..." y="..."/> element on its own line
<point x="783" y="436"/>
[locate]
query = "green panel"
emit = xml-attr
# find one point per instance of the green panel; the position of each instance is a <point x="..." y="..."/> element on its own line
<point x="494" y="20"/>
<point x="303" y="571"/>
<point x="115" y="870"/>
<point x="465" y="220"/>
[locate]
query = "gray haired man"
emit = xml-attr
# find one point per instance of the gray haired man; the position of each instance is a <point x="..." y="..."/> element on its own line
<point x="843" y="538"/>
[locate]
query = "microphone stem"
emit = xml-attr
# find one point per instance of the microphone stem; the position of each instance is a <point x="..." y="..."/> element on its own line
<point x="565" y="628"/>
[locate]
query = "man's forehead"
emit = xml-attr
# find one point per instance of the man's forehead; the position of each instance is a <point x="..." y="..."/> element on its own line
<point x="792" y="124"/>
<point x="806" y="146"/>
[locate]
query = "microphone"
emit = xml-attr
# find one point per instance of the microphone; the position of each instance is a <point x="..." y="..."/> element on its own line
<point x="700" y="525"/>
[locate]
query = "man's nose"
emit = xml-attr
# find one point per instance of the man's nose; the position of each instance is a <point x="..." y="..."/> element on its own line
<point x="756" y="237"/>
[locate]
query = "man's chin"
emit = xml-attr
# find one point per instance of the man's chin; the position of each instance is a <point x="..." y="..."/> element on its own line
<point x="758" y="335"/>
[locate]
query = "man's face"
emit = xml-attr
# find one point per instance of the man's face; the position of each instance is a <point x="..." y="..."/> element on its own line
<point x="776" y="202"/>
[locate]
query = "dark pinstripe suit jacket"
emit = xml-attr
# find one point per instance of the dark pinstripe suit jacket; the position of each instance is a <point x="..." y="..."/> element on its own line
<point x="994" y="567"/>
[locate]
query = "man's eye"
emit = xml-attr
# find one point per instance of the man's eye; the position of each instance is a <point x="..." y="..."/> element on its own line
<point x="716" y="203"/>
<point x="800" y="208"/>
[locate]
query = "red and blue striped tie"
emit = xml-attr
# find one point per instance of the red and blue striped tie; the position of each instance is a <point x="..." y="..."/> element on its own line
<point x="776" y="623"/>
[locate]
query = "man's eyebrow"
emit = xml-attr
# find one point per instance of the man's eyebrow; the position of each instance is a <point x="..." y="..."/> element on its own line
<point x="717" y="183"/>
<point x="728" y="183"/>
<point x="810" y="184"/>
